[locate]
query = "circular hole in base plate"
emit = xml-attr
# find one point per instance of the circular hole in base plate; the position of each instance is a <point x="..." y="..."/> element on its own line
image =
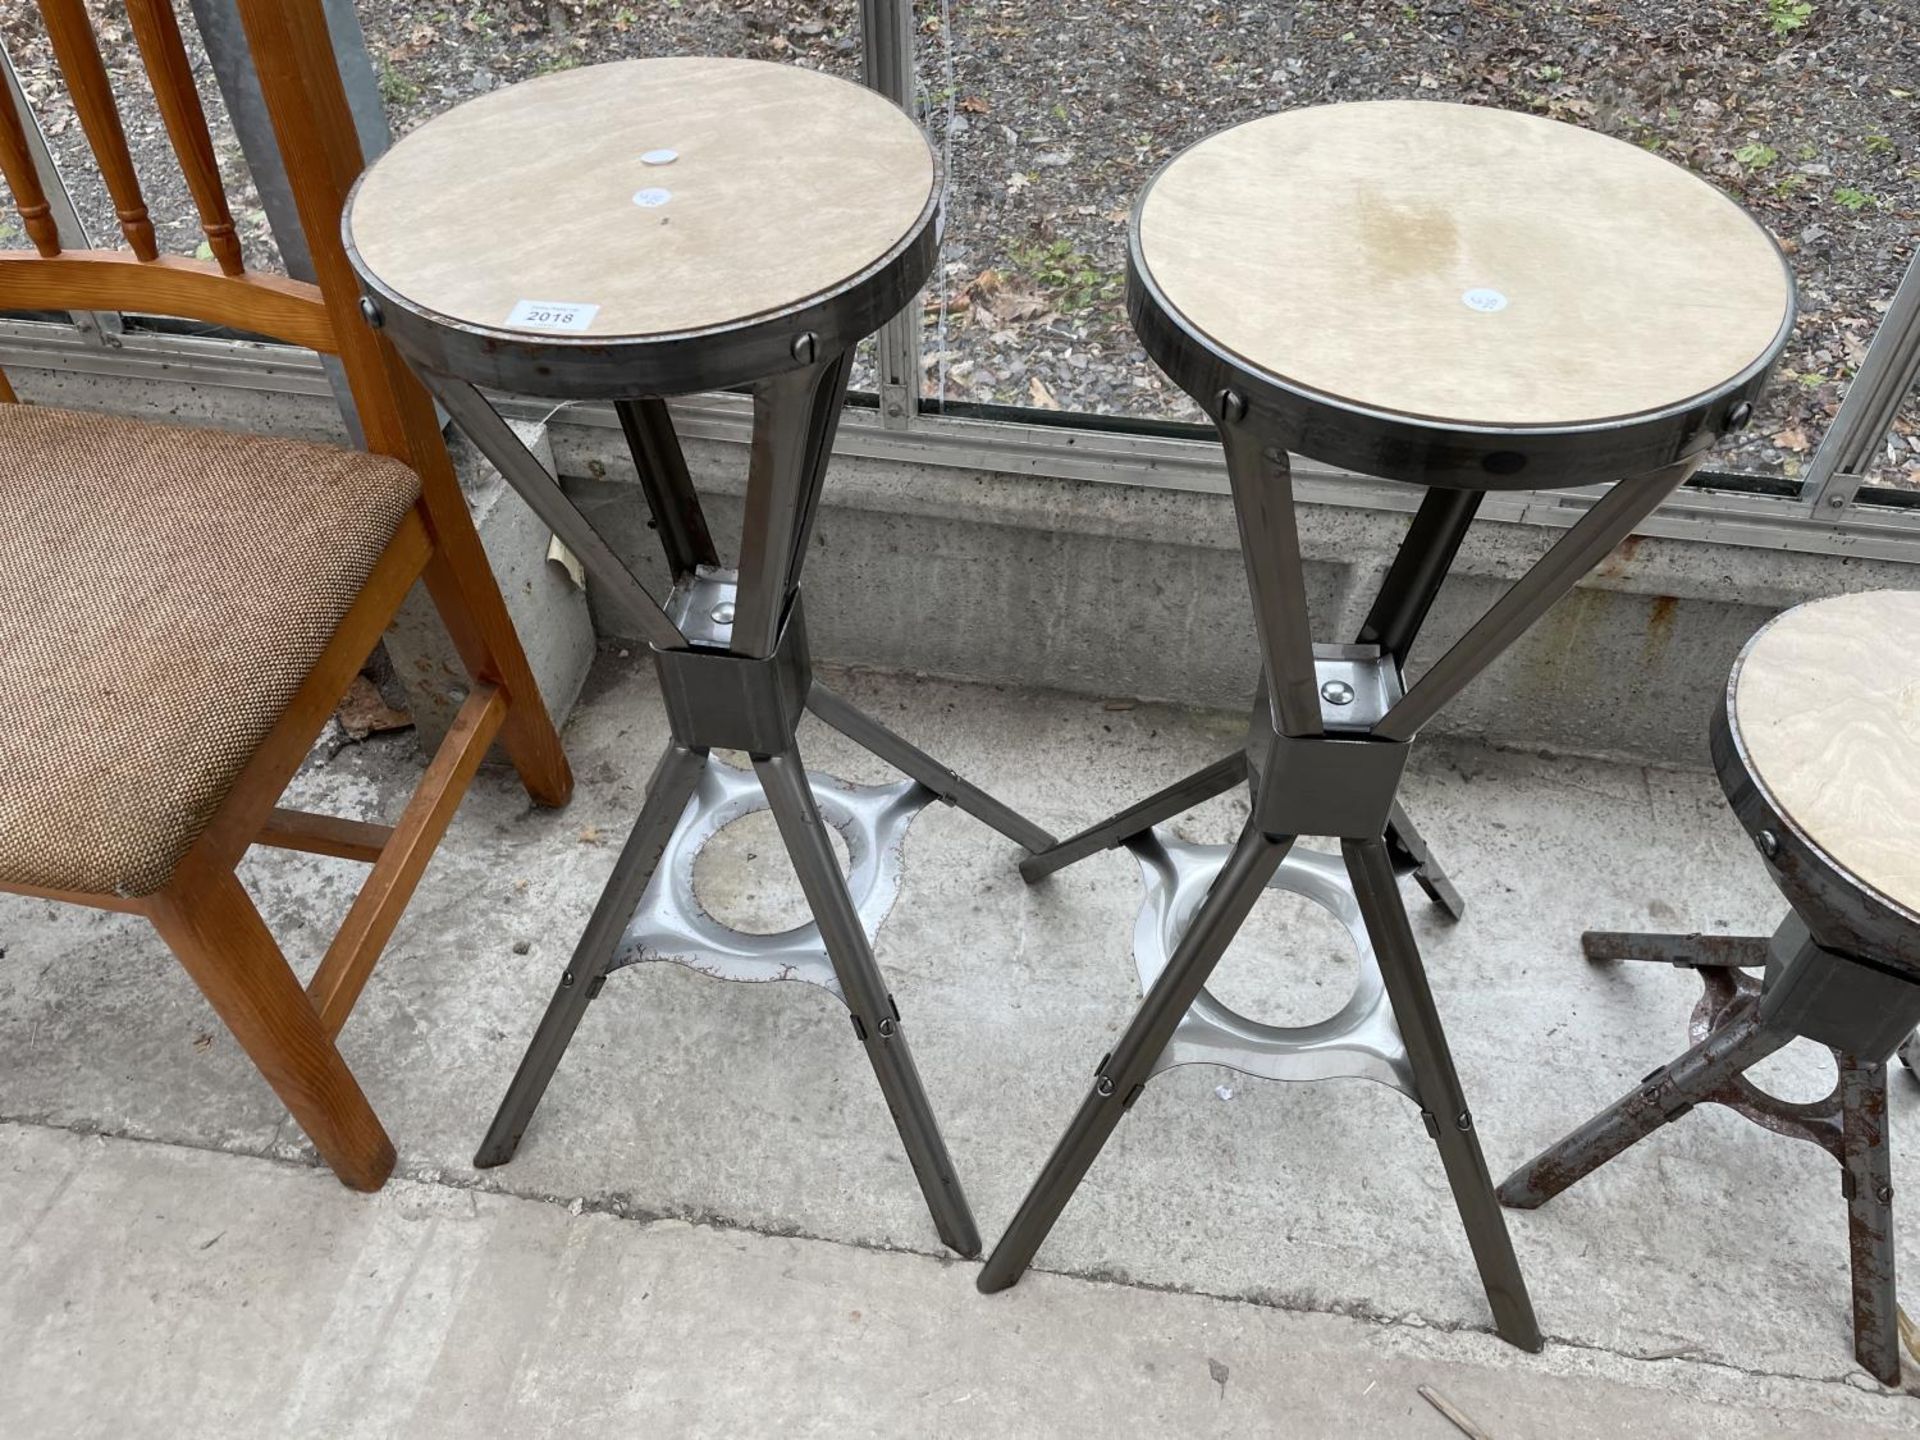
<point x="1291" y="964"/>
<point x="743" y="878"/>
<point x="1800" y="1073"/>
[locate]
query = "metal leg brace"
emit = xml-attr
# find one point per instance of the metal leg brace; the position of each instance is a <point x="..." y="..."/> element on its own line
<point x="1314" y="768"/>
<point x="1731" y="1036"/>
<point x="735" y="675"/>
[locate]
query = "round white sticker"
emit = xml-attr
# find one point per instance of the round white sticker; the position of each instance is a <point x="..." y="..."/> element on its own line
<point x="660" y="157"/>
<point x="1485" y="301"/>
<point x="652" y="199"/>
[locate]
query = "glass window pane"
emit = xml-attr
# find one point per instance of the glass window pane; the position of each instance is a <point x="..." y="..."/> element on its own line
<point x="1055" y="113"/>
<point x="1896" y="465"/>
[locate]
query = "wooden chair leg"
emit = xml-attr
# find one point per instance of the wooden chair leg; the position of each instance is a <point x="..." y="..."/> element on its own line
<point x="219" y="937"/>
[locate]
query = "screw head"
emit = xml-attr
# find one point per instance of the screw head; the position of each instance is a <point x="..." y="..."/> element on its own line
<point x="1337" y="692"/>
<point x="1103" y="1087"/>
<point x="887" y="1027"/>
<point x="803" y="347"/>
<point x="722" y="614"/>
<point x="370" y="312"/>
<point x="1837" y="502"/>
<point x="1768" y="842"/>
<point x="1740" y="416"/>
<point x="1233" y="406"/>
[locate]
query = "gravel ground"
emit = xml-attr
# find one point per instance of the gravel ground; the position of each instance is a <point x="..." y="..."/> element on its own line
<point x="1052" y="114"/>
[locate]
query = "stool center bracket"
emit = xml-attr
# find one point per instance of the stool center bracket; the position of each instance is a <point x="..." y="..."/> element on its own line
<point x="670" y="923"/>
<point x="719" y="700"/>
<point x="1360" y="1041"/>
<point x="1341" y="782"/>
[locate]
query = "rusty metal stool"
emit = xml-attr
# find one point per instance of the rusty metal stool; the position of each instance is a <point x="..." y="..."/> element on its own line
<point x="1468" y="300"/>
<point x="1817" y="745"/>
<point x="657" y="227"/>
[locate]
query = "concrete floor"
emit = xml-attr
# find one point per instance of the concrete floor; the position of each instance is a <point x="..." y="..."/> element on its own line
<point x="1246" y="1258"/>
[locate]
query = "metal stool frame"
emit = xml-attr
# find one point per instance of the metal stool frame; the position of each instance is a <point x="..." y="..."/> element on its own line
<point x="730" y="647"/>
<point x="1333" y="724"/>
<point x="1842" y="969"/>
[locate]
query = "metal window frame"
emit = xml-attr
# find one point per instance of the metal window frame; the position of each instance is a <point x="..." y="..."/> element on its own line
<point x="1828" y="514"/>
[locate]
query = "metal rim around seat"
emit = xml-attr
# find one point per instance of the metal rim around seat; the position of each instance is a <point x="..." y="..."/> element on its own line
<point x="733" y="353"/>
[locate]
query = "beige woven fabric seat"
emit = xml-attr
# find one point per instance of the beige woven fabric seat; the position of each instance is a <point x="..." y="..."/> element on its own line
<point x="163" y="593"/>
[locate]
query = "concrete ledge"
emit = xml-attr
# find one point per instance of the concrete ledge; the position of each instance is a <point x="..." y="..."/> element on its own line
<point x="1132" y="591"/>
<point x="1124" y="591"/>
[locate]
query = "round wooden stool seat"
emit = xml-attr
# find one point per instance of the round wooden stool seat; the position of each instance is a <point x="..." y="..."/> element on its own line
<point x="1824" y="709"/>
<point x="1421" y="287"/>
<point x="688" y="204"/>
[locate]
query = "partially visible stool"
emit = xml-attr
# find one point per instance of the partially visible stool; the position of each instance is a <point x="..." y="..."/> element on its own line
<point x="650" y="228"/>
<point x="1817" y="744"/>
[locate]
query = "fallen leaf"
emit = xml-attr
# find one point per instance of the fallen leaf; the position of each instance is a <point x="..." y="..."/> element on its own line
<point x="364" y="712"/>
<point x="1792" y="438"/>
<point x="1042" y="396"/>
<point x="974" y="105"/>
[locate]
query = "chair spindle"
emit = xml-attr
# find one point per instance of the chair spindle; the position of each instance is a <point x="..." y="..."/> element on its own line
<point x="16" y="162"/>
<point x="157" y="31"/>
<point x="78" y="53"/>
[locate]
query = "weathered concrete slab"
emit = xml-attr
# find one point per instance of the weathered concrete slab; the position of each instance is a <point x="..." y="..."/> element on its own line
<point x="752" y="1105"/>
<point x="159" y="1291"/>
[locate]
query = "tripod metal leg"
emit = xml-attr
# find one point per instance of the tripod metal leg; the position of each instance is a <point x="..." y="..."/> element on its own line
<point x="1867" y="1182"/>
<point x="1443" y="1103"/>
<point x="1688" y="952"/>
<point x="1667" y="1094"/>
<point x="1140" y="817"/>
<point x="876" y="1020"/>
<point x="1410" y="853"/>
<point x="1123" y="1073"/>
<point x="672" y="785"/>
<point x="910" y="760"/>
<point x="671" y="498"/>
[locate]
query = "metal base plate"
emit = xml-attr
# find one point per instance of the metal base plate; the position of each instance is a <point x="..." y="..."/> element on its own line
<point x="1360" y="1041"/>
<point x="670" y="924"/>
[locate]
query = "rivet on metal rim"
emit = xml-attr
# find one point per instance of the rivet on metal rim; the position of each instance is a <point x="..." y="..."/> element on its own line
<point x="371" y="312"/>
<point x="1233" y="406"/>
<point x="803" y="347"/>
<point x="1768" y="842"/>
<point x="1739" y="416"/>
<point x="722" y="614"/>
<point x="1103" y="1087"/>
<point x="1337" y="692"/>
<point x="887" y="1027"/>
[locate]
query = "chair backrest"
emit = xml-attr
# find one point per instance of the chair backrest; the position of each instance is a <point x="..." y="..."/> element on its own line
<point x="300" y="83"/>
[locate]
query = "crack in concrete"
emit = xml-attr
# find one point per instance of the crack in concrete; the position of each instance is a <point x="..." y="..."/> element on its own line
<point x="619" y="1209"/>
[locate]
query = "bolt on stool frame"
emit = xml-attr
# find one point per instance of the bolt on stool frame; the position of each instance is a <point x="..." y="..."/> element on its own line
<point x="667" y="301"/>
<point x="1431" y="389"/>
<point x="1843" y="968"/>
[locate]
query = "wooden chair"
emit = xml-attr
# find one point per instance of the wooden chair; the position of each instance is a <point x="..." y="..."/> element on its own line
<point x="182" y="610"/>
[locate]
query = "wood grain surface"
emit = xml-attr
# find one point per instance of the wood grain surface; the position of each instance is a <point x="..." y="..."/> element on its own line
<point x="784" y="182"/>
<point x="1826" y="704"/>
<point x="1462" y="264"/>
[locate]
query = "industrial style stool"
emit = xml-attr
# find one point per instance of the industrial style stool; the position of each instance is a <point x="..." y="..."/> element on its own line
<point x="1817" y="744"/>
<point x="648" y="228"/>
<point x="1465" y="299"/>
